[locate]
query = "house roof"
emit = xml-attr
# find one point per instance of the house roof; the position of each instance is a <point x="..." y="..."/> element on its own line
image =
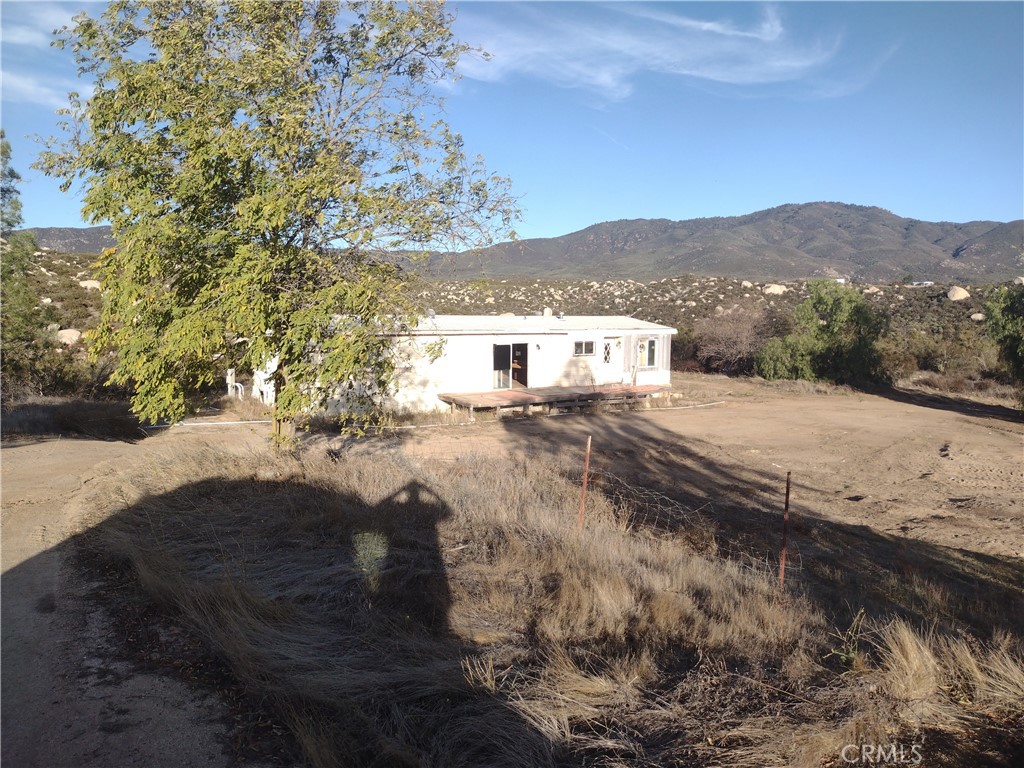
<point x="538" y="324"/>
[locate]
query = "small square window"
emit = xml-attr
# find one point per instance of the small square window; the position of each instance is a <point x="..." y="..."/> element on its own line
<point x="583" y="348"/>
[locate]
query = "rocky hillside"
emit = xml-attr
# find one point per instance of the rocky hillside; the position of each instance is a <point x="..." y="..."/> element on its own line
<point x="681" y="301"/>
<point x="788" y="242"/>
<point x="85" y="240"/>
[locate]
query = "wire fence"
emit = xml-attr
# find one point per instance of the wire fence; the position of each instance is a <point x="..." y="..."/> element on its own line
<point x="642" y="508"/>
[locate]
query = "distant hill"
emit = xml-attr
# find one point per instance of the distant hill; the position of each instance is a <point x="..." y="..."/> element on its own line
<point x="787" y="242"/>
<point x="89" y="240"/>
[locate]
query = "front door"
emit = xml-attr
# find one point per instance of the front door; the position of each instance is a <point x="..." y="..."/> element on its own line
<point x="611" y="359"/>
<point x="519" y="364"/>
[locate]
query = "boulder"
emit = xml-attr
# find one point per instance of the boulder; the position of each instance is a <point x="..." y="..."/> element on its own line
<point x="90" y="285"/>
<point x="774" y="289"/>
<point x="69" y="336"/>
<point x="978" y="317"/>
<point x="956" y="293"/>
<point x="1018" y="281"/>
<point x="872" y="289"/>
<point x="746" y="284"/>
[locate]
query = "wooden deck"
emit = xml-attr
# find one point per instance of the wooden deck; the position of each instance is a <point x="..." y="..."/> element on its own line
<point x="553" y="397"/>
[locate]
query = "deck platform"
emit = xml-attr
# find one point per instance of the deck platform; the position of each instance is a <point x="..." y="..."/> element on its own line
<point x="553" y="397"/>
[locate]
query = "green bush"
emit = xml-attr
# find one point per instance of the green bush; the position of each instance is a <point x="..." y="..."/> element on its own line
<point x="1005" y="313"/>
<point x="834" y="337"/>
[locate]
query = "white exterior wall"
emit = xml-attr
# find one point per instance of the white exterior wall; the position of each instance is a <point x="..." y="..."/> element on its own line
<point x="466" y="363"/>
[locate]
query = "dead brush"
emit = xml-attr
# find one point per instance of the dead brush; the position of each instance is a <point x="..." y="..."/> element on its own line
<point x="449" y="614"/>
<point x="97" y="419"/>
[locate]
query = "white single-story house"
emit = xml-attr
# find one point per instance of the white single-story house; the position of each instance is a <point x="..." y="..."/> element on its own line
<point x="491" y="354"/>
<point x="485" y="353"/>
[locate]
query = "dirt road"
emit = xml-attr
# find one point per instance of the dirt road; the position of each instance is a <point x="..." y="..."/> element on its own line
<point x="68" y="700"/>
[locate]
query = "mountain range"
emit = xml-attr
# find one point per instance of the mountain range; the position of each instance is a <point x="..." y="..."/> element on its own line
<point x="787" y="242"/>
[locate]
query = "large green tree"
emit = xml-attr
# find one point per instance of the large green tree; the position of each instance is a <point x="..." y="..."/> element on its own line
<point x="260" y="164"/>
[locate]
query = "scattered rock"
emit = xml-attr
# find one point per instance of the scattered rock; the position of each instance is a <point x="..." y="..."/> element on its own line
<point x="978" y="317"/>
<point x="69" y="336"/>
<point x="746" y="284"/>
<point x="1018" y="281"/>
<point x="956" y="293"/>
<point x="871" y="289"/>
<point x="46" y="300"/>
<point x="774" y="289"/>
<point x="90" y="285"/>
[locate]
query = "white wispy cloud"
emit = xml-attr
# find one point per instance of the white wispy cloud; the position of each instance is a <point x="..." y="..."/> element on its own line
<point x="32" y="25"/>
<point x="605" y="49"/>
<point x="45" y="92"/>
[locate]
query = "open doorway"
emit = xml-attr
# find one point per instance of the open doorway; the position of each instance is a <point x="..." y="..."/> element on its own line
<point x="502" y="366"/>
<point x="519" y="364"/>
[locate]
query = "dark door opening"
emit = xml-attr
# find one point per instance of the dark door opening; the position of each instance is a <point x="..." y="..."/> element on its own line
<point x="502" y="366"/>
<point x="519" y="364"/>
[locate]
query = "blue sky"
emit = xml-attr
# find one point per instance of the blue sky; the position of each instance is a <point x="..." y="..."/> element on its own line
<point x="663" y="110"/>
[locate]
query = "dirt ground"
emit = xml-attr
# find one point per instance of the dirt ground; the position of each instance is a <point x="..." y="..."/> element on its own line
<point x="932" y="469"/>
<point x="936" y="468"/>
<point x="69" y="697"/>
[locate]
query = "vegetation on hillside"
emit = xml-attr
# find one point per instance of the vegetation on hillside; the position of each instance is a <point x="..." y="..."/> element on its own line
<point x="27" y="351"/>
<point x="834" y="336"/>
<point x="1006" y="327"/>
<point x="819" y="239"/>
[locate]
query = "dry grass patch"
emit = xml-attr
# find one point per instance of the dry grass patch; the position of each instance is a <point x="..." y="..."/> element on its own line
<point x="450" y="614"/>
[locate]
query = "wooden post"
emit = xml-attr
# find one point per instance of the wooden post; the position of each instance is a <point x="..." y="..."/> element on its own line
<point x="785" y="536"/>
<point x="583" y="492"/>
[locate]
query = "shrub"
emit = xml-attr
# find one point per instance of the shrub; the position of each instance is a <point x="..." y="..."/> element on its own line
<point x="834" y="336"/>
<point x="788" y="358"/>
<point x="730" y="342"/>
<point x="1005" y="314"/>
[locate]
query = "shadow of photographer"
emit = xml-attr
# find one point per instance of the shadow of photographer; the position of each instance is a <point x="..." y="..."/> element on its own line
<point x="331" y="610"/>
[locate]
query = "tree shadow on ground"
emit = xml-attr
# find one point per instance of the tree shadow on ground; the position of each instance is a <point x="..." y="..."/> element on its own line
<point x="328" y="611"/>
<point x="841" y="566"/>
<point x="961" y="405"/>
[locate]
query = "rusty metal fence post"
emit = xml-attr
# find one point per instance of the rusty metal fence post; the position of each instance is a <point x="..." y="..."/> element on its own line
<point x="785" y="536"/>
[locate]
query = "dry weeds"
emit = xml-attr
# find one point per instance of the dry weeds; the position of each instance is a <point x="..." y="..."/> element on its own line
<point x="451" y="615"/>
<point x="98" y="419"/>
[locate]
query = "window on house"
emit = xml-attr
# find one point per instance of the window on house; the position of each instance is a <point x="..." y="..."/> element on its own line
<point x="583" y="348"/>
<point x="607" y="352"/>
<point x="648" y="353"/>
